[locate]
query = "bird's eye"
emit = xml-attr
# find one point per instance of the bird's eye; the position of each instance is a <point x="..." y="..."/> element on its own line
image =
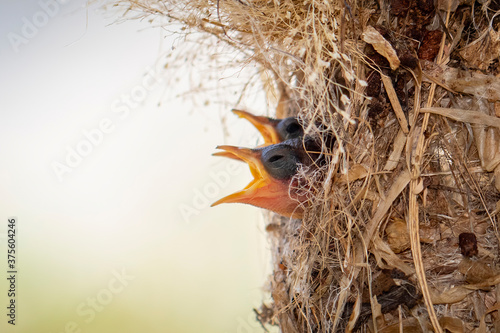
<point x="275" y="158"/>
<point x="289" y="128"/>
<point x="280" y="161"/>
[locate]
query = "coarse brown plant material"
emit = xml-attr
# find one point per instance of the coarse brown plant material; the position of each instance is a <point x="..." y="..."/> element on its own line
<point x="410" y="91"/>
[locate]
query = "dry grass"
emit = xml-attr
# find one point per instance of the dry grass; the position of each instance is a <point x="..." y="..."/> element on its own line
<point x="410" y="91"/>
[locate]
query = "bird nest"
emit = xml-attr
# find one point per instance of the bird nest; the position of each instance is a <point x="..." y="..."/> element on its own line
<point x="400" y="233"/>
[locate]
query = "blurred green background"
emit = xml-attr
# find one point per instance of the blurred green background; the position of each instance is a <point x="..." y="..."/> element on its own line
<point x="123" y="239"/>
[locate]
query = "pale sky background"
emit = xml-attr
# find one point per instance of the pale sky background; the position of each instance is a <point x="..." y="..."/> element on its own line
<point x="118" y="212"/>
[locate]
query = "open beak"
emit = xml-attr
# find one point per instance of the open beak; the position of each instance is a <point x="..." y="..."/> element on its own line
<point x="265" y="125"/>
<point x="263" y="191"/>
